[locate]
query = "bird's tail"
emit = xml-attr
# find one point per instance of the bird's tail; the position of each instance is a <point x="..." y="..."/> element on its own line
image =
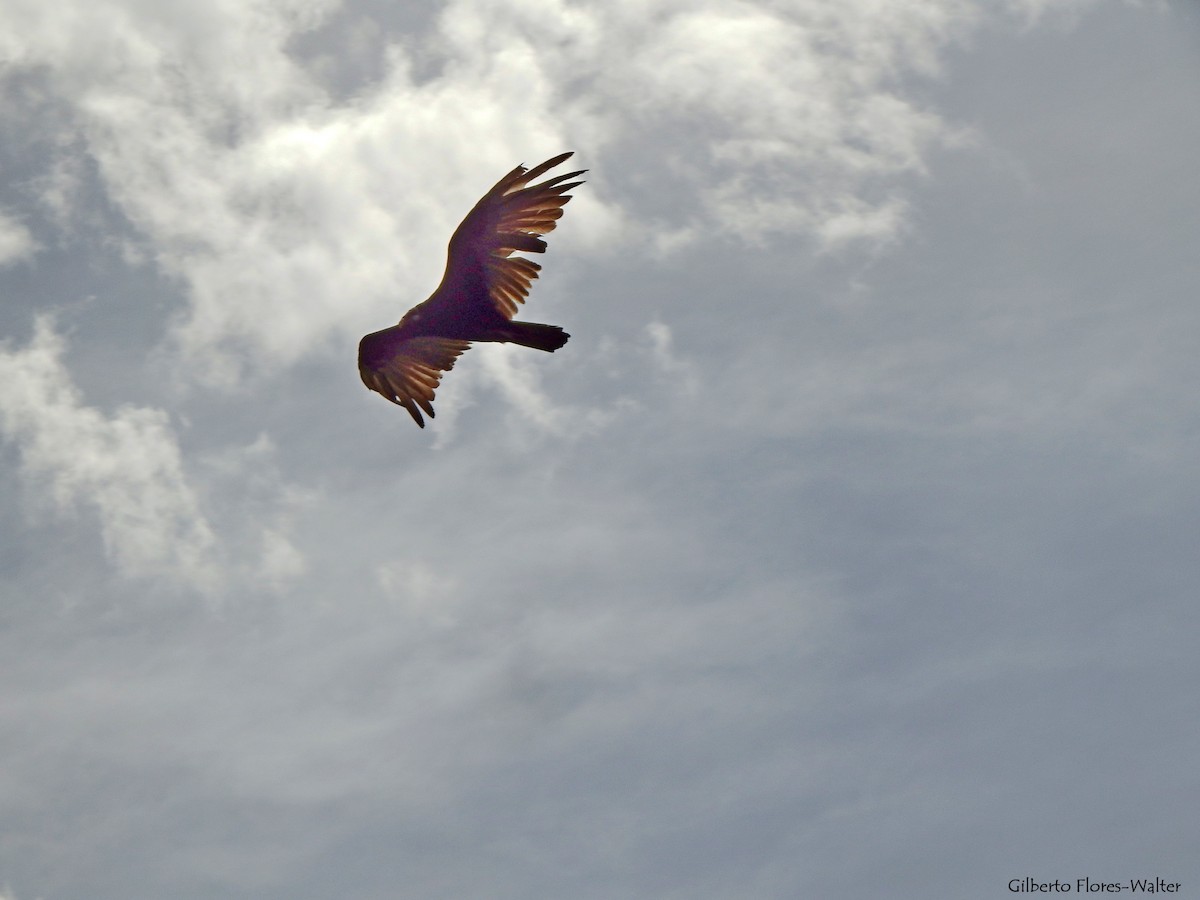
<point x="531" y="334"/>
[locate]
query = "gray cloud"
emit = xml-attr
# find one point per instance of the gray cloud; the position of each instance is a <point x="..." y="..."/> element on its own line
<point x="845" y="551"/>
<point x="127" y="467"/>
<point x="281" y="210"/>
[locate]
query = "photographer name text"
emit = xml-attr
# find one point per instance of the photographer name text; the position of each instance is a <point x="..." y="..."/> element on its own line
<point x="1087" y="886"/>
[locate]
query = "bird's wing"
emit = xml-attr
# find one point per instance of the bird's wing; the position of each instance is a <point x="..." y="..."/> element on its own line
<point x="408" y="373"/>
<point x="511" y="216"/>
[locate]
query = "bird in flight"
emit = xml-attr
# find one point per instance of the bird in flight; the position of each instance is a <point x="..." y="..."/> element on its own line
<point x="479" y="293"/>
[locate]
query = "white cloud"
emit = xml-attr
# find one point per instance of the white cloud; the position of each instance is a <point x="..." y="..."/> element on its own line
<point x="681" y="372"/>
<point x="255" y="510"/>
<point x="786" y="120"/>
<point x="126" y="467"/>
<point x="427" y="597"/>
<point x="830" y="556"/>
<point x="294" y="220"/>
<point x="16" y="243"/>
<point x="128" y="470"/>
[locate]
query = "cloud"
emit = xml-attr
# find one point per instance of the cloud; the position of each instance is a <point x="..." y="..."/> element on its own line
<point x="128" y="470"/>
<point x="785" y="122"/>
<point x="16" y="243"/>
<point x="296" y="216"/>
<point x="293" y="214"/>
<point x="680" y="371"/>
<point x="786" y="555"/>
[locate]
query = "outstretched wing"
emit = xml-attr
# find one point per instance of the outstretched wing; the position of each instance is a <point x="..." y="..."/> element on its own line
<point x="512" y="216"/>
<point x="407" y="371"/>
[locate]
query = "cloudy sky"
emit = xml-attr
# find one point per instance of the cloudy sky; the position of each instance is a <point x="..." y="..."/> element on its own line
<point x="849" y="549"/>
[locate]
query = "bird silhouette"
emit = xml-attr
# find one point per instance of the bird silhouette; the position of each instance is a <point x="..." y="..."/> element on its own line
<point x="479" y="292"/>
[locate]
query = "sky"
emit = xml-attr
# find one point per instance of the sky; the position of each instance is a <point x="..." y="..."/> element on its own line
<point x="847" y="550"/>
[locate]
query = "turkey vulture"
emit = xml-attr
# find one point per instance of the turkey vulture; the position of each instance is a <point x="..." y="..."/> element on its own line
<point x="479" y="293"/>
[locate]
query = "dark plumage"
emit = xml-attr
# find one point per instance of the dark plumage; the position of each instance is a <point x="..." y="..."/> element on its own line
<point x="478" y="295"/>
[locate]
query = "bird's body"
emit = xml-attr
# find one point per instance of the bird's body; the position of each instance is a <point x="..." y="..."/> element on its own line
<point x="478" y="295"/>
